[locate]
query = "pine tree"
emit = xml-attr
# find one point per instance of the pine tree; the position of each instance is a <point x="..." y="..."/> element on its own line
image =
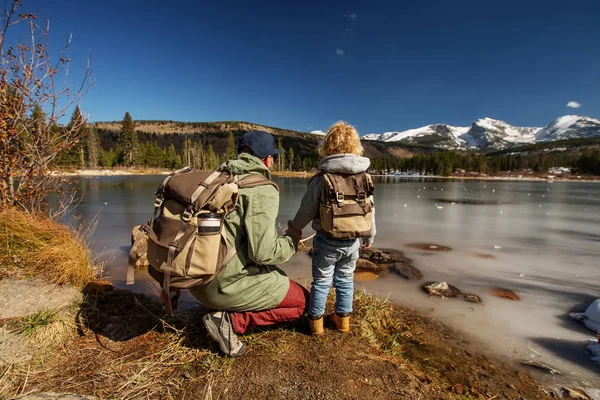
<point x="291" y="157"/>
<point x="127" y="143"/>
<point x="171" y="160"/>
<point x="187" y="151"/>
<point x="211" y="158"/>
<point x="231" y="151"/>
<point x="78" y="122"/>
<point x="74" y="156"/>
<point x="202" y="156"/>
<point x="281" y="158"/>
<point x="92" y="145"/>
<point x="199" y="156"/>
<point x="108" y="158"/>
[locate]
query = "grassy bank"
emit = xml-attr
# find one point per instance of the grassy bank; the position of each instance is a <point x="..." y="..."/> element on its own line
<point x="118" y="344"/>
<point x="126" y="350"/>
<point x="38" y="246"/>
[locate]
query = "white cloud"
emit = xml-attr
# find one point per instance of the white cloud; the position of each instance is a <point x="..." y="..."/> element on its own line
<point x="573" y="104"/>
<point x="339" y="52"/>
<point x="351" y="16"/>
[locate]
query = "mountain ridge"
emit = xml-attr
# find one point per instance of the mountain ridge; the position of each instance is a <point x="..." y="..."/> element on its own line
<point x="304" y="144"/>
<point x="492" y="134"/>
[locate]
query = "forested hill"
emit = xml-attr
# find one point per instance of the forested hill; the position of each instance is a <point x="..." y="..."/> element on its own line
<point x="304" y="145"/>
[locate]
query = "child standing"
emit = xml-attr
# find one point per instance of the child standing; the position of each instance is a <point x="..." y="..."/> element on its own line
<point x="339" y="202"/>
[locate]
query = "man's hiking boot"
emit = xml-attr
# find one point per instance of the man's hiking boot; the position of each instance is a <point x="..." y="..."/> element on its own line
<point x="341" y="322"/>
<point x="316" y="325"/>
<point x="219" y="327"/>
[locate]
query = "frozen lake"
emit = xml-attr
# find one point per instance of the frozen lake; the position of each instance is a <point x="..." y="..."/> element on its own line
<point x="539" y="239"/>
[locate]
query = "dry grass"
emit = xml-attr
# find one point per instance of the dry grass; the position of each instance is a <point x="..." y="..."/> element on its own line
<point x="377" y="322"/>
<point x="44" y="332"/>
<point x="127" y="350"/>
<point x="5" y="381"/>
<point x="39" y="246"/>
<point x="46" y="329"/>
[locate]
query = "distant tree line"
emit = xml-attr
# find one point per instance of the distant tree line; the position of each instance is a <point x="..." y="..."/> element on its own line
<point x="445" y="163"/>
<point x="128" y="151"/>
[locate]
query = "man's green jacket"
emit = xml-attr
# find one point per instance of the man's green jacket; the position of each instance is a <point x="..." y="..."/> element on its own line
<point x="251" y="229"/>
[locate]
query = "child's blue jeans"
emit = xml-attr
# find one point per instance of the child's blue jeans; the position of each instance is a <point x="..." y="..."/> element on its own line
<point x="333" y="261"/>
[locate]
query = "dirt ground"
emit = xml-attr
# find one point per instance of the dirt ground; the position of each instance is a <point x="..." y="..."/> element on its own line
<point x="125" y="350"/>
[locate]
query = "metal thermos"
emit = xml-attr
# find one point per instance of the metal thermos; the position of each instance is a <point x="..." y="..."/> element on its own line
<point x="209" y="223"/>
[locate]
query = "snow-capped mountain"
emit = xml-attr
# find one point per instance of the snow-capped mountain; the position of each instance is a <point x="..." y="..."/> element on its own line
<point x="318" y="132"/>
<point x="569" y="127"/>
<point x="440" y="135"/>
<point x="488" y="133"/>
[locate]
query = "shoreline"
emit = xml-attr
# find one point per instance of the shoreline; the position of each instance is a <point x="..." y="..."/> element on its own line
<point x="497" y="178"/>
<point x="122" y="333"/>
<point x="307" y="175"/>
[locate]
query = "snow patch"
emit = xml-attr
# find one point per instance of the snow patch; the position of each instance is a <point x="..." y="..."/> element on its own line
<point x="570" y="127"/>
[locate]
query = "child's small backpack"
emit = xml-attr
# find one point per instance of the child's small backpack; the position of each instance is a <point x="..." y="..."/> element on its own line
<point x="346" y="209"/>
<point x="186" y="239"/>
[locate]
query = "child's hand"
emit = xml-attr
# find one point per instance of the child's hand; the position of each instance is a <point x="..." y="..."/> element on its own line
<point x="293" y="231"/>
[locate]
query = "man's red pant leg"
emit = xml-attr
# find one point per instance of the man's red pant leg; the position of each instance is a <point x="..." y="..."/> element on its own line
<point x="292" y="307"/>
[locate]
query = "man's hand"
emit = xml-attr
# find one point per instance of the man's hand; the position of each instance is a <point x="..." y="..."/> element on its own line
<point x="293" y="231"/>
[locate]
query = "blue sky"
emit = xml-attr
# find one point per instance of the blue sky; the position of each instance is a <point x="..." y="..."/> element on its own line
<point x="304" y="65"/>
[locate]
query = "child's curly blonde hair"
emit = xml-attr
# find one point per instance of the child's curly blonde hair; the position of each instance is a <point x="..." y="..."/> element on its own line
<point x="342" y="138"/>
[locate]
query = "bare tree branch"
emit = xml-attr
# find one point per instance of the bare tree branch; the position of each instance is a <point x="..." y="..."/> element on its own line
<point x="35" y="95"/>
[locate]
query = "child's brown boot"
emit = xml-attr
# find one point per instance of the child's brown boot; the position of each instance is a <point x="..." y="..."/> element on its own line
<point x="342" y="322"/>
<point x="316" y="325"/>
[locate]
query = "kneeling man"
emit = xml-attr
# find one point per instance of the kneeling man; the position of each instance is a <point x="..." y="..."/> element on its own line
<point x="251" y="291"/>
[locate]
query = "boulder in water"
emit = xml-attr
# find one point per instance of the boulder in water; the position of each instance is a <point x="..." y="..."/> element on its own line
<point x="363" y="265"/>
<point x="407" y="271"/>
<point x="504" y="293"/>
<point x="473" y="298"/>
<point x="441" y="289"/>
<point x="378" y="256"/>
<point x="429" y="246"/>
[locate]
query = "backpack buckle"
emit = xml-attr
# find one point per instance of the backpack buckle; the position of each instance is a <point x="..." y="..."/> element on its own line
<point x="339" y="197"/>
<point x="158" y="202"/>
<point x="186" y="216"/>
<point x="361" y="197"/>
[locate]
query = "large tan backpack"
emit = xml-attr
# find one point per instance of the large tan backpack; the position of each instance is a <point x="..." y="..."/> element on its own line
<point x="346" y="209"/>
<point x="186" y="239"/>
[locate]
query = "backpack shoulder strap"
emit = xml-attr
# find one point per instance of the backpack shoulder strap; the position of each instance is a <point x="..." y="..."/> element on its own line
<point x="254" y="180"/>
<point x="337" y="183"/>
<point x="320" y="173"/>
